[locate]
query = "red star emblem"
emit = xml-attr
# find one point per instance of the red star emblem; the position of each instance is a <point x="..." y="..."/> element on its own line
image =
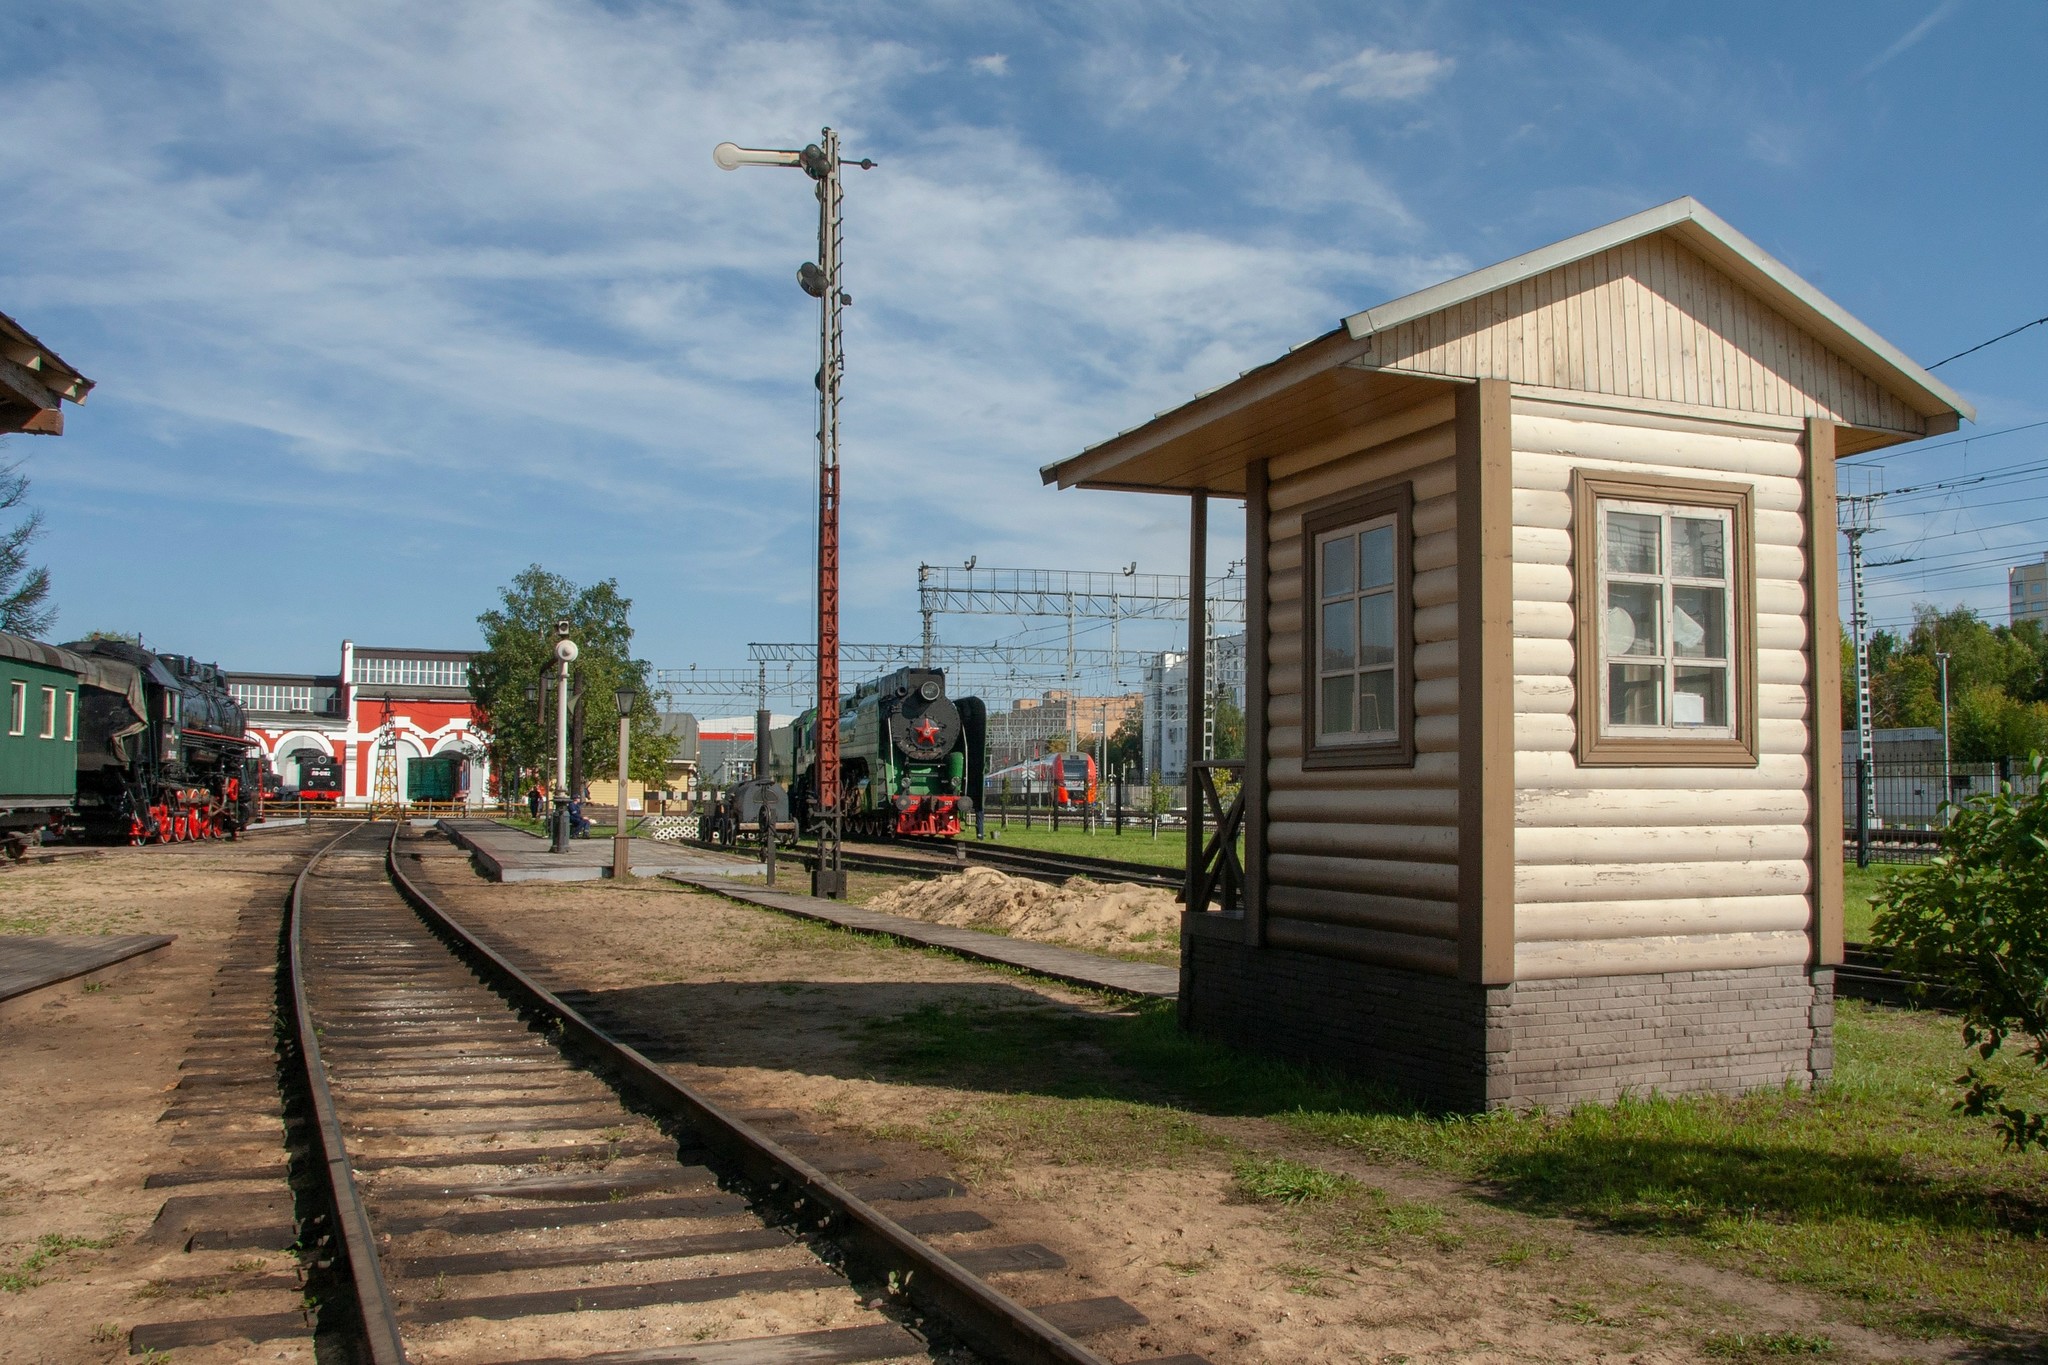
<point x="926" y="730"/>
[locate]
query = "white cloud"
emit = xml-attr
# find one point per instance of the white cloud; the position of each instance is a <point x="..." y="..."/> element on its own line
<point x="994" y="64"/>
<point x="1377" y="74"/>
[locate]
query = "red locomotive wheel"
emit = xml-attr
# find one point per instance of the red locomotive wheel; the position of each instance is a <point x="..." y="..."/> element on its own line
<point x="138" y="834"/>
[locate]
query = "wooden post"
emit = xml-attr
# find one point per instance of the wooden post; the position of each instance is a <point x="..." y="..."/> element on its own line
<point x="1198" y="678"/>
<point x="1255" y="719"/>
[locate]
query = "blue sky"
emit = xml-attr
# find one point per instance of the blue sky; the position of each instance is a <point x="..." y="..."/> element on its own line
<point x="388" y="300"/>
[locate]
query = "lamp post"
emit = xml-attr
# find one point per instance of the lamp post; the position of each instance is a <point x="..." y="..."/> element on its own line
<point x="541" y="719"/>
<point x="621" y="856"/>
<point x="821" y="280"/>
<point x="1948" y="791"/>
<point x="565" y="654"/>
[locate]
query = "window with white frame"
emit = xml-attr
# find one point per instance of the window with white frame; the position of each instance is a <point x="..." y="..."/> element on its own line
<point x="1357" y="608"/>
<point x="1665" y="641"/>
<point x="70" y="716"/>
<point x="49" y="713"/>
<point x="17" y="712"/>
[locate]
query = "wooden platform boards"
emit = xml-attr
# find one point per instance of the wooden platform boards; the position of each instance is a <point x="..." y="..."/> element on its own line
<point x="507" y="854"/>
<point x="1070" y="965"/>
<point x="30" y="964"/>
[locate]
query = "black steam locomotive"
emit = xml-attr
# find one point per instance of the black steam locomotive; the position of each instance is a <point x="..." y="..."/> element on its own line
<point x="910" y="757"/>
<point x="163" y="753"/>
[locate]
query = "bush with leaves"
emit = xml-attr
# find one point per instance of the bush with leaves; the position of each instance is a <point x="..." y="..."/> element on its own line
<point x="1974" y="923"/>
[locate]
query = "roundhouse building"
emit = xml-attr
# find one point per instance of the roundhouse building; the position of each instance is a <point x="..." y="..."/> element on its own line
<point x="1542" y="795"/>
<point x="442" y="754"/>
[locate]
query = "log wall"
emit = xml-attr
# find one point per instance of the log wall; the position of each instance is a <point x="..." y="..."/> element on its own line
<point x="1362" y="863"/>
<point x="1624" y="871"/>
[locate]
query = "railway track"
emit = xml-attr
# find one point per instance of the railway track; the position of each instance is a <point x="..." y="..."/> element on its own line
<point x="1032" y="863"/>
<point x="504" y="1181"/>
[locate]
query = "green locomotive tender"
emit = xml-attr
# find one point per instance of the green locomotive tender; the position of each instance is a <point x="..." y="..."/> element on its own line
<point x="910" y="758"/>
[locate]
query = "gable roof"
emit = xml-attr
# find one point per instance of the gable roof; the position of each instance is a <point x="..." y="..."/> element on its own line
<point x="1734" y="331"/>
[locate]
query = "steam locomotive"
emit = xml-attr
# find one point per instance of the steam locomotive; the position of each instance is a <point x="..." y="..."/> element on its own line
<point x="910" y="758"/>
<point x="163" y="753"/>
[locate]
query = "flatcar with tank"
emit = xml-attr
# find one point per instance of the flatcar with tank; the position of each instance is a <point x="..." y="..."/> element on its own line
<point x="910" y="758"/>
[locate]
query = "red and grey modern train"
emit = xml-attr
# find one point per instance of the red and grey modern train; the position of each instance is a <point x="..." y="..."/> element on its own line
<point x="1049" y="780"/>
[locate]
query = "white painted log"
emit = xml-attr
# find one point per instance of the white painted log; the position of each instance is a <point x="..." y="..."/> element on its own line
<point x="1425" y="457"/>
<point x="1784" y="666"/>
<point x="1411" y="952"/>
<point x="1646" y="881"/>
<point x="1630" y="844"/>
<point x="1390" y="914"/>
<point x="1430" y="881"/>
<point x="1408" y="805"/>
<point x="1543" y="583"/>
<point x="1437" y="697"/>
<point x="1283" y="710"/>
<point x="1283" y="556"/>
<point x="1588" y="921"/>
<point x="1787" y="562"/>
<point x="1431" y="771"/>
<point x="1781" y="701"/>
<point x="1437" y="660"/>
<point x="1433" y="516"/>
<point x="1539" y="473"/>
<point x="1545" y="733"/>
<point x="1393" y="427"/>
<point x="1439" y="551"/>
<point x="1432" y="624"/>
<point x="1779" y="598"/>
<point x="1436" y="734"/>
<point x="1562" y="770"/>
<point x="1780" y="632"/>
<point x="1543" y="658"/>
<point x="1372" y="842"/>
<point x="1544" y="620"/>
<point x="1535" y="545"/>
<point x="1690" y="808"/>
<point x="1436" y="588"/>
<point x="1780" y="736"/>
<point x="1779" y="528"/>
<point x="1644" y="956"/>
<point x="1638" y="446"/>
<point x="1542" y="509"/>
<point x="1547" y="696"/>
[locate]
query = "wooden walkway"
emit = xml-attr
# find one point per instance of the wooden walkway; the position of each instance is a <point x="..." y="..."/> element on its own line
<point x="1070" y="965"/>
<point x="507" y="854"/>
<point x="29" y="964"/>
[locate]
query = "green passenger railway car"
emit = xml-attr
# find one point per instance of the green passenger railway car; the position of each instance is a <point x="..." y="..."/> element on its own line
<point x="39" y="747"/>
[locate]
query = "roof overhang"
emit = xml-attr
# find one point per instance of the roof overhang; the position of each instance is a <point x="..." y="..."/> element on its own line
<point x="34" y="383"/>
<point x="1309" y="395"/>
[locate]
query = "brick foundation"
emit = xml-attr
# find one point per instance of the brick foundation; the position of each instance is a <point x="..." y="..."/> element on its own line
<point x="1550" y="1043"/>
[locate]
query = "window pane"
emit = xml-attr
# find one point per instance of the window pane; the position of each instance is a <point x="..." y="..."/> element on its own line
<point x="1700" y="696"/>
<point x="1632" y="612"/>
<point x="1376" y="713"/>
<point x="1340" y="635"/>
<point x="1633" y="542"/>
<point x="1376" y="629"/>
<point x="1337" y="705"/>
<point x="1376" y="556"/>
<point x="1699" y="623"/>
<point x="1340" y="565"/>
<point x="1635" y="694"/>
<point x="1697" y="549"/>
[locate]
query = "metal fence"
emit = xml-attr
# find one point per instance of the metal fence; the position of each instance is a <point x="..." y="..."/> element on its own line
<point x="1909" y="798"/>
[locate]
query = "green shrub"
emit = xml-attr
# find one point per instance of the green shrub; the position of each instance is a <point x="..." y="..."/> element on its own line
<point x="1975" y="924"/>
<point x="1276" y="1180"/>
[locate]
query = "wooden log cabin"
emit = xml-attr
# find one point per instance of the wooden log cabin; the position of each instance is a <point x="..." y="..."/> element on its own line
<point x="1541" y="796"/>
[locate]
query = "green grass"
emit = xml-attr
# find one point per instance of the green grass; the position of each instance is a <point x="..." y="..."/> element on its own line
<point x="1859" y="884"/>
<point x="1134" y="845"/>
<point x="1870" y="1189"/>
<point x="50" y="1247"/>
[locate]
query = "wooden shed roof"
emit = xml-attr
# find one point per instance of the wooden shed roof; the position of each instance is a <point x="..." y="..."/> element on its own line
<point x="34" y="383"/>
<point x="1670" y="308"/>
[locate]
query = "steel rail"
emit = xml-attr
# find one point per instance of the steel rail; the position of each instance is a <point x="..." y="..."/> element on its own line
<point x="986" y="1319"/>
<point x="375" y="1310"/>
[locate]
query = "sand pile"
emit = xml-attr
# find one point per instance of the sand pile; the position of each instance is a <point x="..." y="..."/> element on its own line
<point x="1078" y="913"/>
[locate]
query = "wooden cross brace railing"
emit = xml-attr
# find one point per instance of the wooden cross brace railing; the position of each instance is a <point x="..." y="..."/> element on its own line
<point x="1220" y="874"/>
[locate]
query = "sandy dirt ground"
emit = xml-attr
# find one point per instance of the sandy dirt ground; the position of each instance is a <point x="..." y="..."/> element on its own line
<point x="85" y="1071"/>
<point x="1079" y="913"/>
<point x="768" y="1012"/>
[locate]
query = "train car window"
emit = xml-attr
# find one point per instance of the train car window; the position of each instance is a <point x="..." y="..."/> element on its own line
<point x="49" y="713"/>
<point x="70" y="716"/>
<point x="17" y="716"/>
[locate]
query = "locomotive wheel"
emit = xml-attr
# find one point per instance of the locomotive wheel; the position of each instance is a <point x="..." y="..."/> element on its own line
<point x="137" y="834"/>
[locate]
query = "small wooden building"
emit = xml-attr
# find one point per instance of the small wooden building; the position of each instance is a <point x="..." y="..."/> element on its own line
<point x="1542" y="790"/>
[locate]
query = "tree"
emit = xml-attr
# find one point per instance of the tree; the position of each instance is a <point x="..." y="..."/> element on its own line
<point x="1971" y="922"/>
<point x="1127" y="745"/>
<point x="519" y="641"/>
<point x="23" y="591"/>
<point x="1228" y="719"/>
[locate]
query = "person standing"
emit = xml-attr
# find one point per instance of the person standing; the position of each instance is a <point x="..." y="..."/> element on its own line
<point x="533" y="800"/>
